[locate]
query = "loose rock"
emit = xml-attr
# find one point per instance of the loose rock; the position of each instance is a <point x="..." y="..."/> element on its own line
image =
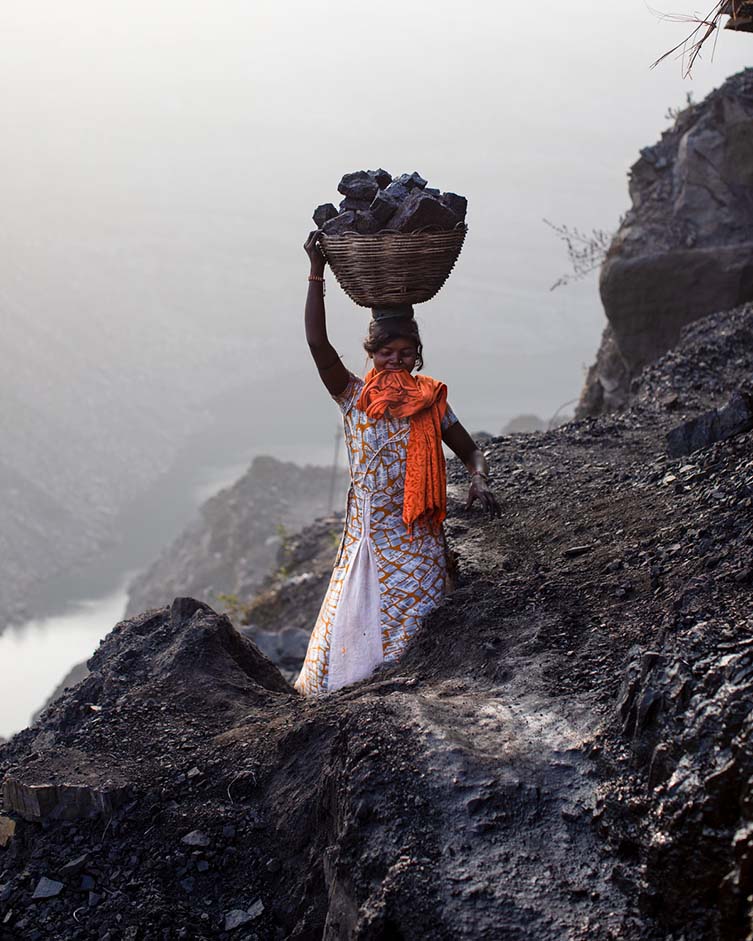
<point x="373" y="201"/>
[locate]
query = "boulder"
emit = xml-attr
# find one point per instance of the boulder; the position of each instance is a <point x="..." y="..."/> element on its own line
<point x="716" y="425"/>
<point x="649" y="299"/>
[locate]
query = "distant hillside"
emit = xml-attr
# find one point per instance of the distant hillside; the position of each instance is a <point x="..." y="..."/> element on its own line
<point x="231" y="546"/>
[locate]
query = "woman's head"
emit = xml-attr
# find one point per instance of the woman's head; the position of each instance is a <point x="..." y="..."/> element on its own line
<point x="395" y="343"/>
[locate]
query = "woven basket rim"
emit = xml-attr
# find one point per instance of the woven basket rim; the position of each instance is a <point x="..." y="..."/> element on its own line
<point x="461" y="227"/>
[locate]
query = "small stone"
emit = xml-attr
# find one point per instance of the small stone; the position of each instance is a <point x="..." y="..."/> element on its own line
<point x="366" y="223"/>
<point x="475" y="804"/>
<point x="202" y="865"/>
<point x="357" y="205"/>
<point x="411" y="180"/>
<point x="75" y="866"/>
<point x="323" y="214"/>
<point x="47" y="888"/>
<point x="235" y="918"/>
<point x="196" y="838"/>
<point x="670" y="402"/>
<point x="228" y="831"/>
<point x="273" y="865"/>
<point x="193" y="774"/>
<point x="397" y="191"/>
<point x="94" y="899"/>
<point x="7" y="830"/>
<point x="256" y="909"/>
<point x="381" y="177"/>
<point x="359" y="185"/>
<point x="455" y="203"/>
<point x="420" y="211"/>
<point x="574" y="551"/>
<point x="343" y="222"/>
<point x="383" y="206"/>
<point x="87" y="883"/>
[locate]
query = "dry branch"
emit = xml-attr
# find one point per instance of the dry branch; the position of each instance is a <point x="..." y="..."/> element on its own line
<point x="740" y="13"/>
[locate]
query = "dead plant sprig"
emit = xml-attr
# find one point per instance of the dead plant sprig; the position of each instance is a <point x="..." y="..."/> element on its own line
<point x="690" y="47"/>
<point x="586" y="250"/>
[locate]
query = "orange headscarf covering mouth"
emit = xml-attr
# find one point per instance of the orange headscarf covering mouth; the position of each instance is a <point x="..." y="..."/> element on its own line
<point x="424" y="401"/>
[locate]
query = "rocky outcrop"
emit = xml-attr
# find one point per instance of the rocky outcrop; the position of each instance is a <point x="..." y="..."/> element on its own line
<point x="685" y="247"/>
<point x="282" y="615"/>
<point x="232" y="545"/>
<point x="562" y="752"/>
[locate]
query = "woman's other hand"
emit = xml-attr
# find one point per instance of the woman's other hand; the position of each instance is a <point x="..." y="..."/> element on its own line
<point x="458" y="439"/>
<point x="312" y="249"/>
<point x="479" y="490"/>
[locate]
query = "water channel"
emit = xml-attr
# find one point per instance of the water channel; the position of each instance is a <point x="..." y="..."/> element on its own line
<point x="78" y="609"/>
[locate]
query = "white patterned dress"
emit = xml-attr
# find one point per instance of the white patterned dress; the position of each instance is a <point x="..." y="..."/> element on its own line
<point x="383" y="583"/>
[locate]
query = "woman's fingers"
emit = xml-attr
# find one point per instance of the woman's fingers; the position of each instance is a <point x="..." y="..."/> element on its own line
<point x="487" y="499"/>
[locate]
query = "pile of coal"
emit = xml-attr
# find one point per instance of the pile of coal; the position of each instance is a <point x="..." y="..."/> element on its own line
<point x="374" y="202"/>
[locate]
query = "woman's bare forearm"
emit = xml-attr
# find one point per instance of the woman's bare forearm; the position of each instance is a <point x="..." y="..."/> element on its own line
<point x="331" y="370"/>
<point x="316" y="325"/>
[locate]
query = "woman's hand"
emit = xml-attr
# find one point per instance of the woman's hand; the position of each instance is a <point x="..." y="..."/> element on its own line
<point x="312" y="249"/>
<point x="458" y="439"/>
<point x="479" y="490"/>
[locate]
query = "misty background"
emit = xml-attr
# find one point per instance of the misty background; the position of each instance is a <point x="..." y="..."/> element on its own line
<point x="159" y="167"/>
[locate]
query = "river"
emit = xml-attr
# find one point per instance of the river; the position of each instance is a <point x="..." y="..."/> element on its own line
<point x="35" y="656"/>
<point x="75" y="611"/>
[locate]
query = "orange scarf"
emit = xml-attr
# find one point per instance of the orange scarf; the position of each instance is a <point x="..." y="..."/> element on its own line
<point x="423" y="400"/>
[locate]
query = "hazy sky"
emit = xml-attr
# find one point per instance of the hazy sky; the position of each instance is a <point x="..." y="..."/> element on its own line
<point x="161" y="160"/>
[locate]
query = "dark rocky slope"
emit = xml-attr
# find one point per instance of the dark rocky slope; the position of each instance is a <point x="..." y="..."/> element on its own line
<point x="561" y="754"/>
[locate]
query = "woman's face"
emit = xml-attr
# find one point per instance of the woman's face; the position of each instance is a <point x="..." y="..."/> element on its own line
<point x="395" y="355"/>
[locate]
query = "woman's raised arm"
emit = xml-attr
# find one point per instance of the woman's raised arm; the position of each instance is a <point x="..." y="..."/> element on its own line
<point x="332" y="372"/>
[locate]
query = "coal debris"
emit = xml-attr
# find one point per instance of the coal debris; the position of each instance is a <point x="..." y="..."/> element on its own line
<point x="373" y="201"/>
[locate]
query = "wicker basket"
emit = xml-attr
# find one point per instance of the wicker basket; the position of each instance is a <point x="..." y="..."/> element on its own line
<point x="392" y="267"/>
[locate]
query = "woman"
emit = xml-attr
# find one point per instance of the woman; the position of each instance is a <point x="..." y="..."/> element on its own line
<point x="391" y="567"/>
